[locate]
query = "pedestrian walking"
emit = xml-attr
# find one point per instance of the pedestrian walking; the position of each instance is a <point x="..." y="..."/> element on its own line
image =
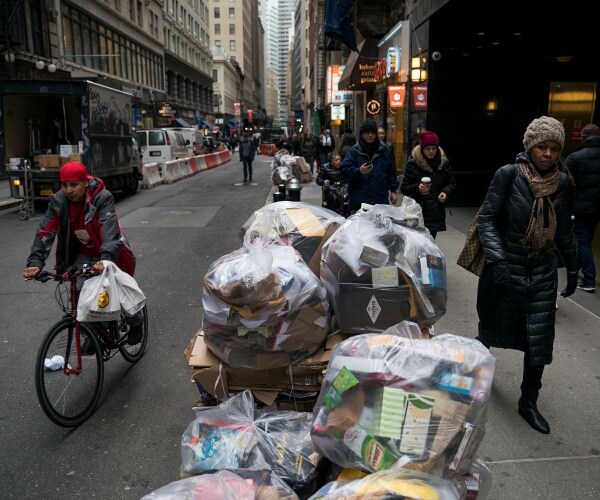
<point x="429" y="180"/>
<point x="525" y="219"/>
<point x="584" y="166"/>
<point x="326" y="146"/>
<point x="369" y="170"/>
<point x="308" y="151"/>
<point x="382" y="137"/>
<point x="347" y="140"/>
<point x="247" y="153"/>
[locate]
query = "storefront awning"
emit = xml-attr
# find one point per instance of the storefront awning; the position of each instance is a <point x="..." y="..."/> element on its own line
<point x="180" y="122"/>
<point x="359" y="69"/>
<point x="204" y="123"/>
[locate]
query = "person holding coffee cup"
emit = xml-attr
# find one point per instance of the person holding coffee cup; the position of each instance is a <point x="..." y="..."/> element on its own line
<point x="429" y="180"/>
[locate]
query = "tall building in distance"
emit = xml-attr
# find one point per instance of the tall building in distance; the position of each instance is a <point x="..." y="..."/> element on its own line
<point x="236" y="33"/>
<point x="278" y="18"/>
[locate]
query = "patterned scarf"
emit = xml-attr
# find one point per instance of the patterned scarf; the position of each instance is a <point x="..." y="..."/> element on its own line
<point x="540" y="236"/>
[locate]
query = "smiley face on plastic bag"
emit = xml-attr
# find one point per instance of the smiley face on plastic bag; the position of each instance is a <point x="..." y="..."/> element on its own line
<point x="103" y="299"/>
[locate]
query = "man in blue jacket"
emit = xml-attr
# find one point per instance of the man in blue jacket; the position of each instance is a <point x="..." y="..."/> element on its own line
<point x="370" y="170"/>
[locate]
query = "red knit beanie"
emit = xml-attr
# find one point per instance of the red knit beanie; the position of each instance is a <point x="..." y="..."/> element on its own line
<point x="73" y="171"/>
<point x="428" y="139"/>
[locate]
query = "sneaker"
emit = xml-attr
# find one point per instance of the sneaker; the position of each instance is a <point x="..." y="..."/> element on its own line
<point x="586" y="287"/>
<point x="135" y="334"/>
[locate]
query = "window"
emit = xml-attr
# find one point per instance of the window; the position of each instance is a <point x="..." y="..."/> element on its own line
<point x="217" y="13"/>
<point x="232" y="45"/>
<point x="231" y="12"/>
<point x="232" y="29"/>
<point x="217" y="29"/>
<point x="217" y="43"/>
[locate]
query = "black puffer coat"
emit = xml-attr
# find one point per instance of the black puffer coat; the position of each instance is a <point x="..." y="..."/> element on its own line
<point x="584" y="165"/>
<point x="524" y="318"/>
<point x="442" y="179"/>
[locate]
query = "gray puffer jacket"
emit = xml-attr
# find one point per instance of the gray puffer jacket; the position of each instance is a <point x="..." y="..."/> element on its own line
<point x="524" y="318"/>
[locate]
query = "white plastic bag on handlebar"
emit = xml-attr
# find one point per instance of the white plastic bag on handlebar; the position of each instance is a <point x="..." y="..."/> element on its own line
<point x="99" y="298"/>
<point x="130" y="294"/>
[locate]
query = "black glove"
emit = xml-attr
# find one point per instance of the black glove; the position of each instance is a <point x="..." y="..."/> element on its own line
<point x="501" y="273"/>
<point x="571" y="284"/>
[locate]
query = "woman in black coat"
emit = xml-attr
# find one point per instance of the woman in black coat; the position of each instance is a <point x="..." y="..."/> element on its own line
<point x="524" y="222"/>
<point x="429" y="160"/>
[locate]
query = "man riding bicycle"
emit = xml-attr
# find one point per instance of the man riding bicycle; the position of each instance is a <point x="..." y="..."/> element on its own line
<point x="83" y="216"/>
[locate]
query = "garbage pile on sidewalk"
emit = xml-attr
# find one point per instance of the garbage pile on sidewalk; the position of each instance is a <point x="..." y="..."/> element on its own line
<point x="318" y="349"/>
<point x="285" y="167"/>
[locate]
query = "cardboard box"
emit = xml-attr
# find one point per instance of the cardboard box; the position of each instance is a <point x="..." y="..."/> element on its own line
<point x="76" y="157"/>
<point x="50" y="162"/>
<point x="304" y="167"/>
<point x="220" y="379"/>
<point x="363" y="308"/>
<point x="67" y="150"/>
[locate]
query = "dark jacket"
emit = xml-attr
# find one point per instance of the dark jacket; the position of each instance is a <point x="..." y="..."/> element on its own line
<point x="308" y="149"/>
<point x="584" y="166"/>
<point x="101" y="223"/>
<point x="247" y="150"/>
<point x="372" y="188"/>
<point x="524" y="318"/>
<point x="333" y="195"/>
<point x="346" y="142"/>
<point x="442" y="180"/>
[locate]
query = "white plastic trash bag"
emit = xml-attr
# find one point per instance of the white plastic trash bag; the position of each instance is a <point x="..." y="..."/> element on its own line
<point x="98" y="298"/>
<point x="103" y="297"/>
<point x="131" y="297"/>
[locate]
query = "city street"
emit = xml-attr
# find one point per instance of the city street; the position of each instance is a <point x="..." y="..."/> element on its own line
<point x="131" y="444"/>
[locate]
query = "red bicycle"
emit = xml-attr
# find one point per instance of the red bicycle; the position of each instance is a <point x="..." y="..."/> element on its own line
<point x="69" y="369"/>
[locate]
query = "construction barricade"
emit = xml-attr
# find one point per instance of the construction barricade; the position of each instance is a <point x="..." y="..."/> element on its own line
<point x="150" y="176"/>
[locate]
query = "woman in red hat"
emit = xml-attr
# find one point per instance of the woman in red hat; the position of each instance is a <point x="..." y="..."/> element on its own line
<point x="83" y="217"/>
<point x="428" y="161"/>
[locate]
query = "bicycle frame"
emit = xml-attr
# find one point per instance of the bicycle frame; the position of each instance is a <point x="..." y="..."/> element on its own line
<point x="69" y="394"/>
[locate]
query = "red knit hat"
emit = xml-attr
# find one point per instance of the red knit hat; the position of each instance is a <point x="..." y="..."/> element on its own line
<point x="428" y="139"/>
<point x="73" y="171"/>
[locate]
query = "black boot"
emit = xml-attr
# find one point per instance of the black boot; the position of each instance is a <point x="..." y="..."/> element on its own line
<point x="528" y="410"/>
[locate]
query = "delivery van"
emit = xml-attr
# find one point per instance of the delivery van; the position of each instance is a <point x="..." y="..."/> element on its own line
<point x="160" y="145"/>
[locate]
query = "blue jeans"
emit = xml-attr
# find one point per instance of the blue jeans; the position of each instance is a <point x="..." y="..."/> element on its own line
<point x="585" y="227"/>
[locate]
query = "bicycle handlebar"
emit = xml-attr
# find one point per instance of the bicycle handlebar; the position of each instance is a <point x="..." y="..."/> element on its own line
<point x="71" y="273"/>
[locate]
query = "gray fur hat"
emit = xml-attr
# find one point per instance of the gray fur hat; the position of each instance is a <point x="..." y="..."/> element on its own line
<point x="543" y="129"/>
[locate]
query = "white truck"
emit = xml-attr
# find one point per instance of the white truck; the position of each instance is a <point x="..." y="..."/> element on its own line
<point x="98" y="119"/>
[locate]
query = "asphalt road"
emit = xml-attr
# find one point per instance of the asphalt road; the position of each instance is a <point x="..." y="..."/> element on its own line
<point x="131" y="444"/>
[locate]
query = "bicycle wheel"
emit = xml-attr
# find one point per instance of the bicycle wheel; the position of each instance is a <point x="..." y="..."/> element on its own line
<point x="69" y="399"/>
<point x="133" y="353"/>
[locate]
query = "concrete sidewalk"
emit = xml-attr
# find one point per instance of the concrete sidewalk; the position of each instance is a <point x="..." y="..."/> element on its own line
<point x="524" y="463"/>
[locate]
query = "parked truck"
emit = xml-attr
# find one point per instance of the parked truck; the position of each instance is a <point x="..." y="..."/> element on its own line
<point x="97" y="131"/>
